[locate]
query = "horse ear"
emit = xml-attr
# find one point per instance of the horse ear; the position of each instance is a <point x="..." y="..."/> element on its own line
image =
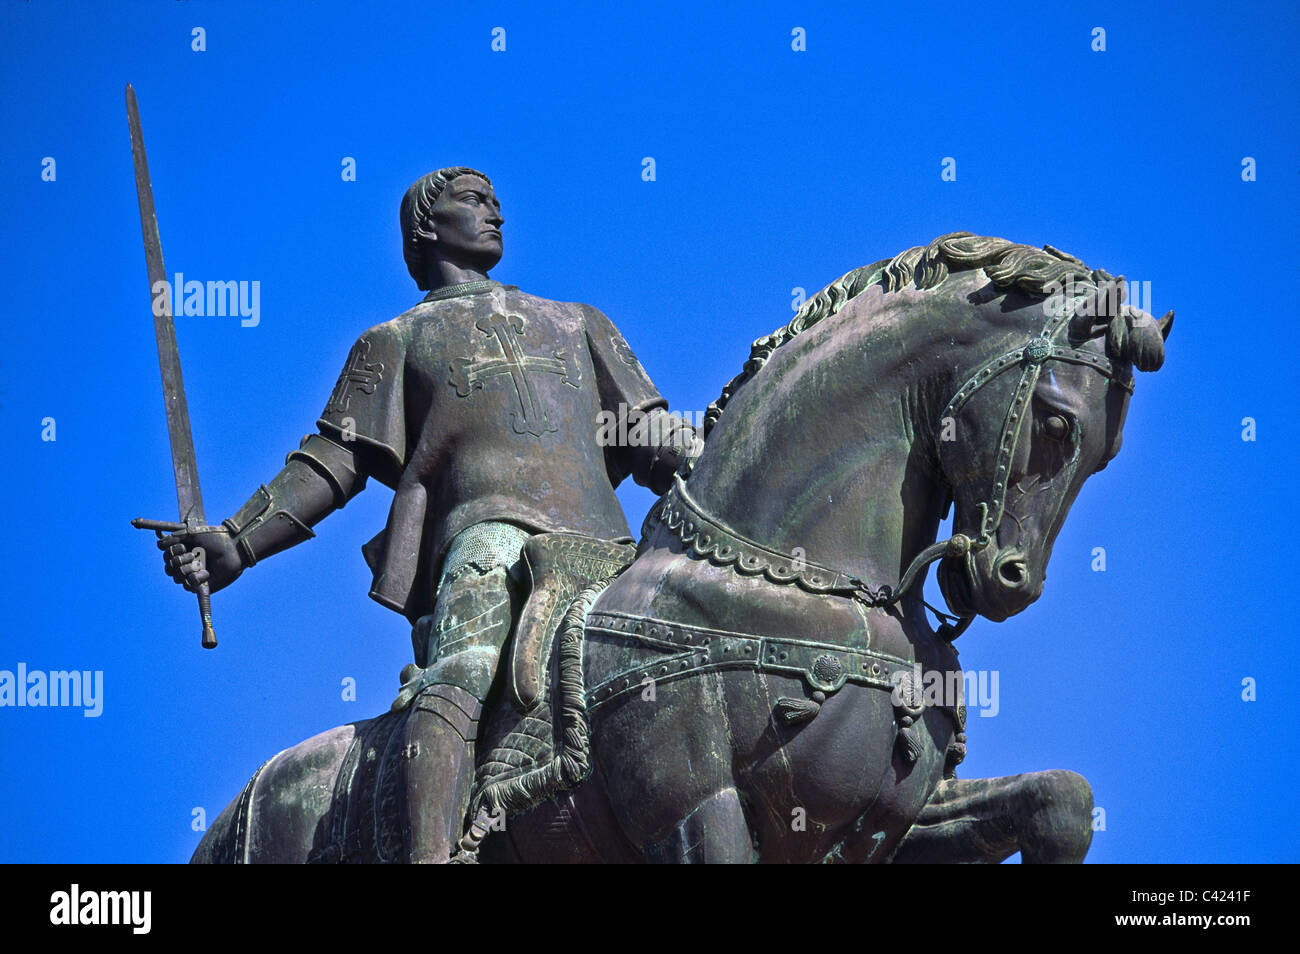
<point x="1134" y="337"/>
<point x="1166" y="325"/>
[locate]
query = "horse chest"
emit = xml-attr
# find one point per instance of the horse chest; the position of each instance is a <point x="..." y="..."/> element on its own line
<point x="838" y="787"/>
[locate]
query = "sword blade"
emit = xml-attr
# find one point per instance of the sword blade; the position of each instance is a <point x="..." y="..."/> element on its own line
<point x="189" y="499"/>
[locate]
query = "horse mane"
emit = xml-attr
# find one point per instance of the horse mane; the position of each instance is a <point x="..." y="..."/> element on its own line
<point x="1037" y="272"/>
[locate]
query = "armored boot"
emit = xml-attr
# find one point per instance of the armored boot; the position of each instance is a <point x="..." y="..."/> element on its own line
<point x="441" y="729"/>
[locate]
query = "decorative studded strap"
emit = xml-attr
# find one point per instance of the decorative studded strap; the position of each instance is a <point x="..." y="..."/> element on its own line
<point x="708" y="537"/>
<point x="824" y="666"/>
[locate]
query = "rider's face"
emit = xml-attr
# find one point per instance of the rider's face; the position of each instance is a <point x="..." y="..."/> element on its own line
<point x="467" y="222"/>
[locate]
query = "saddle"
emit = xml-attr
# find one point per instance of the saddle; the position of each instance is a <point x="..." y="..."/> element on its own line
<point x="559" y="567"/>
<point x="535" y="744"/>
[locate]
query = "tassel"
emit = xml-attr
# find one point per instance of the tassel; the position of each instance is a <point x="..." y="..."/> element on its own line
<point x="796" y="711"/>
<point x="908" y="740"/>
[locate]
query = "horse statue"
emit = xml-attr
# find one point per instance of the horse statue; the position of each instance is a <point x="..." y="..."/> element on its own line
<point x="760" y="680"/>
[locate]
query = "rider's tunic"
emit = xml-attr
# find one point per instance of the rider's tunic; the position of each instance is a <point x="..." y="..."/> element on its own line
<point x="484" y="404"/>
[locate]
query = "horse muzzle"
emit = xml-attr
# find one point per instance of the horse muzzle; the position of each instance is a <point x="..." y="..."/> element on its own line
<point x="995" y="584"/>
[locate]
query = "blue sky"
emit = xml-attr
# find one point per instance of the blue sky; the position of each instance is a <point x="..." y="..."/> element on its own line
<point x="775" y="169"/>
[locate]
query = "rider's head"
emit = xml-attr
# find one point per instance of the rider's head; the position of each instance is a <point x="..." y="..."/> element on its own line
<point x="453" y="214"/>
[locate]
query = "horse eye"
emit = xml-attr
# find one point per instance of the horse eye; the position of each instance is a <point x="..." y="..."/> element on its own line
<point x="1056" y="427"/>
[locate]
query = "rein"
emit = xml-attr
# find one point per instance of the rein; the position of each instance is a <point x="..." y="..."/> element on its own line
<point x="707" y="537"/>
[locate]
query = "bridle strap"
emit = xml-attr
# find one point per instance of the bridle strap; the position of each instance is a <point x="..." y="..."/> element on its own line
<point x="1031" y="358"/>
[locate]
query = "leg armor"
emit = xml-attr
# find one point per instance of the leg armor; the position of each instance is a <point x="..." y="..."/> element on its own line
<point x="462" y="641"/>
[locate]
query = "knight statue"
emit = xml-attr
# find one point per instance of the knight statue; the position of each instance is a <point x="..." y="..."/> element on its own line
<point x="480" y="408"/>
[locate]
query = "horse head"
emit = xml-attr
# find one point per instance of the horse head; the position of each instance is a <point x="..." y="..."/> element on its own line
<point x="1030" y="424"/>
<point x="1013" y="382"/>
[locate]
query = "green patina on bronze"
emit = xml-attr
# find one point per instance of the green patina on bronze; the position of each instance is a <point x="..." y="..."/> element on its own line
<point x="748" y="683"/>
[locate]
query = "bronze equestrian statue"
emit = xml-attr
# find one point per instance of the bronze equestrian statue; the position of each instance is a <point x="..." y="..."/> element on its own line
<point x="754" y="682"/>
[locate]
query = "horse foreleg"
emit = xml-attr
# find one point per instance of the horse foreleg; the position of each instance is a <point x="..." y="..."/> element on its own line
<point x="715" y="832"/>
<point x="1046" y="816"/>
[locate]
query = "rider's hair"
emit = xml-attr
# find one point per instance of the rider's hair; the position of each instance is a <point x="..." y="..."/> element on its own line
<point x="414" y="213"/>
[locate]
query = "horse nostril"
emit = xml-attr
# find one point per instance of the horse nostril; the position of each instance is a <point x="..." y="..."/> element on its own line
<point x="1012" y="573"/>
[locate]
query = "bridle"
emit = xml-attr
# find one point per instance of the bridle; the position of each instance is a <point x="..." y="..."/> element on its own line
<point x="1030" y="357"/>
<point x="708" y="537"/>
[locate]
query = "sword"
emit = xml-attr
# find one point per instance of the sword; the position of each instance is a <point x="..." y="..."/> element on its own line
<point x="186" y="468"/>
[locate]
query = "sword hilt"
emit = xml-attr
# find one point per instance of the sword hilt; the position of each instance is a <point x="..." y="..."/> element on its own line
<point x="209" y="638"/>
<point x="161" y="527"/>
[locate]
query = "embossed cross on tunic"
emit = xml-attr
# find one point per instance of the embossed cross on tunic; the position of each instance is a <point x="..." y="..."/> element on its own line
<point x="468" y="375"/>
<point x="358" y="373"/>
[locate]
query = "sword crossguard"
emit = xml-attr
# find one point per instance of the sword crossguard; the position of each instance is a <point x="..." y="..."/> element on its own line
<point x="158" y="526"/>
<point x="162" y="527"/>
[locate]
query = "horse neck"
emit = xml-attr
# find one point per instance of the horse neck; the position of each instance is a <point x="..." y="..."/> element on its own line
<point x="828" y="452"/>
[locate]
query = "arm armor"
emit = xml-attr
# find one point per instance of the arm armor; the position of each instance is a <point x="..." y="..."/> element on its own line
<point x="317" y="479"/>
